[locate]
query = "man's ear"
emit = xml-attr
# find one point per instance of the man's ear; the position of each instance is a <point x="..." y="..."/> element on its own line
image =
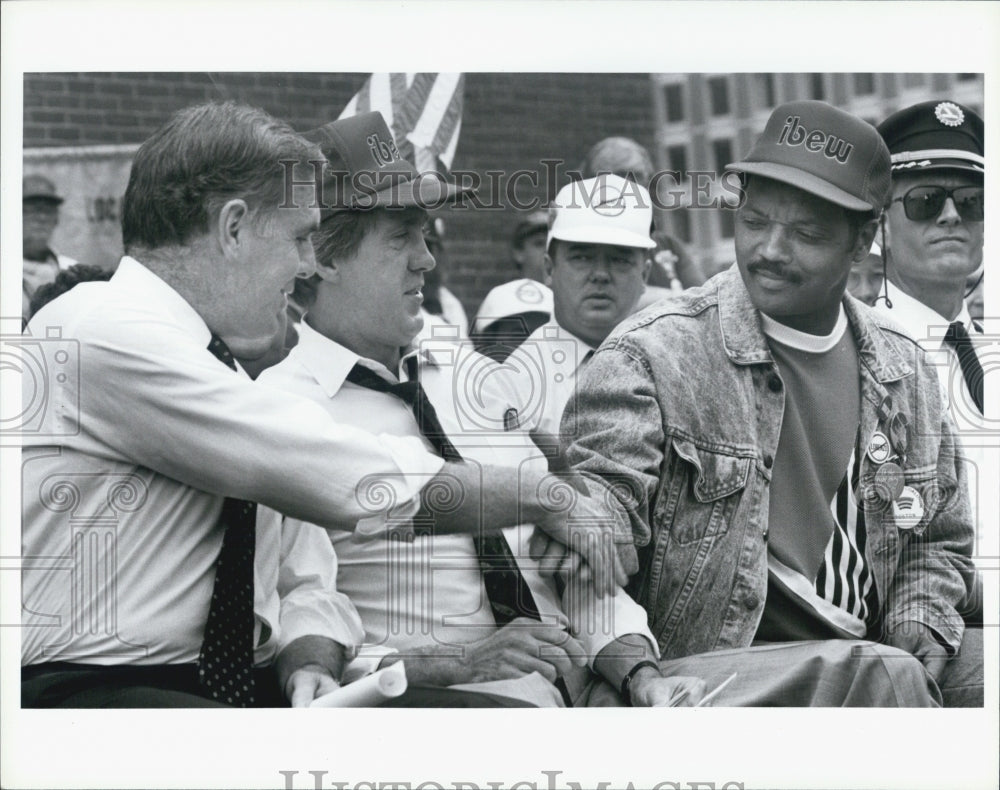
<point x="647" y="265"/>
<point x="549" y="264"/>
<point x="328" y="271"/>
<point x="517" y="255"/>
<point x="232" y="225"/>
<point x="863" y="245"/>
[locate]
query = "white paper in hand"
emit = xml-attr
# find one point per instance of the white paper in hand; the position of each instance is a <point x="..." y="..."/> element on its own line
<point x="367" y="692"/>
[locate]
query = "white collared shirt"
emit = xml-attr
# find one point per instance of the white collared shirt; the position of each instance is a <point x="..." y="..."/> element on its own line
<point x="544" y="370"/>
<point x="928" y="328"/>
<point x="430" y="590"/>
<point x="129" y="451"/>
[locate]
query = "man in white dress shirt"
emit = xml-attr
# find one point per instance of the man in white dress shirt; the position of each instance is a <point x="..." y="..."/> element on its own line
<point x="430" y="599"/>
<point x="933" y="234"/>
<point x="147" y="449"/>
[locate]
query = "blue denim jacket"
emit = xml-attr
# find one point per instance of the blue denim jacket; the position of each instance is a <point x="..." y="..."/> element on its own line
<point x="680" y="411"/>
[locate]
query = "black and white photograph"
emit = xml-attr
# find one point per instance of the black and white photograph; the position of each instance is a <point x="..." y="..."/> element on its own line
<point x="592" y="369"/>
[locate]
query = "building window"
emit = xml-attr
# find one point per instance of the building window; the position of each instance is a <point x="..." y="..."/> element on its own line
<point x="722" y="151"/>
<point x="677" y="160"/>
<point x="765" y="90"/>
<point x="680" y="224"/>
<point x="718" y="93"/>
<point x="914" y="80"/>
<point x="817" y="87"/>
<point x="673" y="95"/>
<point x="864" y="84"/>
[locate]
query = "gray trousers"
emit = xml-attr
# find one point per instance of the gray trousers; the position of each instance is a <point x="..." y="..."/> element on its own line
<point x="833" y="673"/>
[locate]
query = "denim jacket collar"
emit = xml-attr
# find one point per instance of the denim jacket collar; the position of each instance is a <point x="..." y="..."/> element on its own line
<point x="745" y="343"/>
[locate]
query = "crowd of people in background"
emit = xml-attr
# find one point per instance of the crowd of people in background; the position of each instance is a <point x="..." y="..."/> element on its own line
<point x="619" y="483"/>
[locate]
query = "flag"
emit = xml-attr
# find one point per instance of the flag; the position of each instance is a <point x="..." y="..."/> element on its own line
<point x="424" y="112"/>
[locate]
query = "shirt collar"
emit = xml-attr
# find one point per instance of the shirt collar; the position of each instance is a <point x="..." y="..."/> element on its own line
<point x="923" y="323"/>
<point x="155" y="292"/>
<point x="329" y="362"/>
<point x="433" y="352"/>
<point x="803" y="341"/>
<point x="553" y="329"/>
<point x="326" y="360"/>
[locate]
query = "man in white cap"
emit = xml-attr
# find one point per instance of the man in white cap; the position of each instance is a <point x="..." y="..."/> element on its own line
<point x="783" y="455"/>
<point x="596" y="264"/>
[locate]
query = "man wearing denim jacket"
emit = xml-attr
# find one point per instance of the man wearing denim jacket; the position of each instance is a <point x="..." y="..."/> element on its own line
<point x="782" y="454"/>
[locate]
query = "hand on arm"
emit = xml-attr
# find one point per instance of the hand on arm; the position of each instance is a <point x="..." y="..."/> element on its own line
<point x="490" y="498"/>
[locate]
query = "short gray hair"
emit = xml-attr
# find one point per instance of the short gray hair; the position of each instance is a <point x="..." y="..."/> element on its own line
<point x="203" y="156"/>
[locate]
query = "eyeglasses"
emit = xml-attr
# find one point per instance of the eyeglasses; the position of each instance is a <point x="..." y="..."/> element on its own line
<point x="923" y="203"/>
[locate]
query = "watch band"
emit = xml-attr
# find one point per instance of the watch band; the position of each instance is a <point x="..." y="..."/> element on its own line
<point x="626" y="689"/>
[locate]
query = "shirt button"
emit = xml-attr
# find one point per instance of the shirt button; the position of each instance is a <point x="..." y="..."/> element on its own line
<point x="768" y="461"/>
<point x="751" y="601"/>
<point x="774" y="383"/>
<point x="766" y="533"/>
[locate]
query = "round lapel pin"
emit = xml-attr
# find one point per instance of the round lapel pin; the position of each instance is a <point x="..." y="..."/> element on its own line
<point x="889" y="482"/>
<point x="879" y="448"/>
<point x="908" y="508"/>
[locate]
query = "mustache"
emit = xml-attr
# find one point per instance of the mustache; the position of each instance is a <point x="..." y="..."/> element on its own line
<point x="775" y="269"/>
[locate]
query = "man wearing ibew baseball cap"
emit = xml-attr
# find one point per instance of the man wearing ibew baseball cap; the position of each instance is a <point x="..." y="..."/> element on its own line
<point x="596" y="263"/>
<point x="770" y="439"/>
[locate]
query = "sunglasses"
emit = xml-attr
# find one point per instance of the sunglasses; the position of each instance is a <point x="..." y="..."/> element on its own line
<point x="923" y="203"/>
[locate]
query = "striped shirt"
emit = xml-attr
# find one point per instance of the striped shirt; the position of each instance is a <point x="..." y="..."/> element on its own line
<point x="819" y="584"/>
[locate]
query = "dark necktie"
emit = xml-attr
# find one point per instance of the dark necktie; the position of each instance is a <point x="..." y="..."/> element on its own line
<point x="508" y="592"/>
<point x="958" y="338"/>
<point x="225" y="665"/>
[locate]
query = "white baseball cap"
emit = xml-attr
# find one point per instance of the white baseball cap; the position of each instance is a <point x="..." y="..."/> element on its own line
<point x="514" y="298"/>
<point x="607" y="209"/>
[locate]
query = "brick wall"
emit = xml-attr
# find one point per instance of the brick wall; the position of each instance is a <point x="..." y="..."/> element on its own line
<point x="511" y="122"/>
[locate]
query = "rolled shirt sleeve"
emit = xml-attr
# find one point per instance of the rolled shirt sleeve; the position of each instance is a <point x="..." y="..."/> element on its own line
<point x="175" y="409"/>
<point x="311" y="605"/>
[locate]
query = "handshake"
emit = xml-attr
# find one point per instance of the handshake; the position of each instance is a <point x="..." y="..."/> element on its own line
<point x="577" y="533"/>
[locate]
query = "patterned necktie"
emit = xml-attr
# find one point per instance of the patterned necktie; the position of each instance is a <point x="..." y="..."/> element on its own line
<point x="958" y="338"/>
<point x="508" y="592"/>
<point x="225" y="665"/>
